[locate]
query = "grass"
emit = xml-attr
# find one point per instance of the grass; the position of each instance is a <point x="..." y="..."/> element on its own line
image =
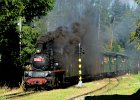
<point x="129" y="84"/>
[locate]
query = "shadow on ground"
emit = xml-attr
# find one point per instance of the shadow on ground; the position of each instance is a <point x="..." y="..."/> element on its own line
<point x="135" y="96"/>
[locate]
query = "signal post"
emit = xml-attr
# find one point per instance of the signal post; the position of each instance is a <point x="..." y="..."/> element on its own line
<point x="80" y="83"/>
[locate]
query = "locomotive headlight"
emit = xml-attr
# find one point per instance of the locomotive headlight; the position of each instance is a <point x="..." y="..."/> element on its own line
<point x="56" y="64"/>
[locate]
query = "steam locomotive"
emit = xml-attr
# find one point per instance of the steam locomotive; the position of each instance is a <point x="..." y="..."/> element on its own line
<point x="48" y="73"/>
<point x="45" y="71"/>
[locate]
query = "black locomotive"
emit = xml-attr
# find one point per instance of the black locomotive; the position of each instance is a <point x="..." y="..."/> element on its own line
<point x="45" y="71"/>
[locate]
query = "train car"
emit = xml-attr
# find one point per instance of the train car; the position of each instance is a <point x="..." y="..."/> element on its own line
<point x="114" y="64"/>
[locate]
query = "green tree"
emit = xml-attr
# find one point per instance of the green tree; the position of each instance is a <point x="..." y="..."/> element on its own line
<point x="11" y="11"/>
<point x="28" y="42"/>
<point x="135" y="35"/>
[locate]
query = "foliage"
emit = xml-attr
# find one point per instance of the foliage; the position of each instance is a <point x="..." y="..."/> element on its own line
<point x="11" y="11"/>
<point x="29" y="36"/>
<point x="36" y="8"/>
<point x="135" y="36"/>
<point x="116" y="47"/>
<point x="114" y="28"/>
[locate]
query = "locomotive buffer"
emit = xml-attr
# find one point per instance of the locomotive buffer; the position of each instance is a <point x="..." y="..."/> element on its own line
<point x="80" y="83"/>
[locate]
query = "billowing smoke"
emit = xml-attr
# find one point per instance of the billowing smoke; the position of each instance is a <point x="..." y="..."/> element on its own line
<point x="70" y="23"/>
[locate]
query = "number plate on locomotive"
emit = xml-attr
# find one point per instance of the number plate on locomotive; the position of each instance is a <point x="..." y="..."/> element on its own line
<point x="38" y="59"/>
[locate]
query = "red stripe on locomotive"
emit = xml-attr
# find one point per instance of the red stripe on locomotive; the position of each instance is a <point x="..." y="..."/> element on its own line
<point x="38" y="81"/>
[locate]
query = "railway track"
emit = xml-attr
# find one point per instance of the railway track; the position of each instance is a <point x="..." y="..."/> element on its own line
<point x="18" y="94"/>
<point x="112" y="83"/>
